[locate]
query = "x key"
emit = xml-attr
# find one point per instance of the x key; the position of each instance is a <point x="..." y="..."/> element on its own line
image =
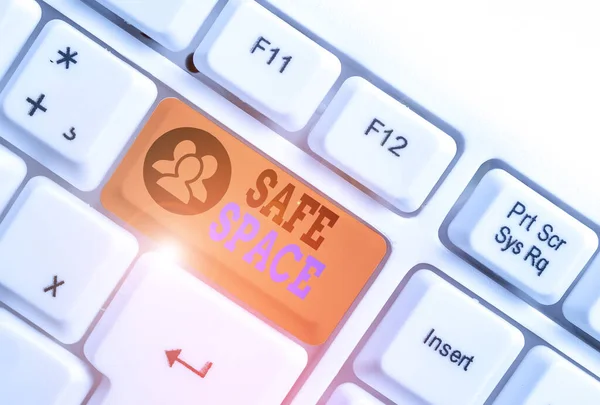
<point x="36" y="104"/>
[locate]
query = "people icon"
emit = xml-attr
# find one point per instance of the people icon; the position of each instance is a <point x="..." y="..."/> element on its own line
<point x="183" y="177"/>
<point x="187" y="171"/>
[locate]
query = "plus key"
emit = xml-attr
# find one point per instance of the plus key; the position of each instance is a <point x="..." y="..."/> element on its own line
<point x="55" y="284"/>
<point x="91" y="104"/>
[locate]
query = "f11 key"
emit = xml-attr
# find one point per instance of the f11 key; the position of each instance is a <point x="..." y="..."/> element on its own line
<point x="267" y="63"/>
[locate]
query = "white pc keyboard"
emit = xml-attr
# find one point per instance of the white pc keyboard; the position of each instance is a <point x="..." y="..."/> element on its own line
<point x="275" y="202"/>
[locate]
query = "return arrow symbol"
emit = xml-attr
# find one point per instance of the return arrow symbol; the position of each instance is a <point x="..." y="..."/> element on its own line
<point x="173" y="357"/>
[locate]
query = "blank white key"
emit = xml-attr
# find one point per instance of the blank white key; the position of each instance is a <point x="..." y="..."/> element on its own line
<point x="436" y="336"/>
<point x="35" y="370"/>
<point x="60" y="259"/>
<point x="545" y="378"/>
<point x="267" y="63"/>
<point x="171" y="23"/>
<point x="382" y="144"/>
<point x="167" y="338"/>
<point x="75" y="104"/>
<point x="582" y="306"/>
<point x="523" y="237"/>
<point x="18" y="18"/>
<point x="12" y="173"/>
<point x="350" y="394"/>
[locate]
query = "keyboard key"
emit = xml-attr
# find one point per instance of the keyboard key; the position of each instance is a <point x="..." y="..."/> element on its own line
<point x="60" y="259"/>
<point x="582" y="305"/>
<point x="267" y="63"/>
<point x="350" y="394"/>
<point x="76" y="104"/>
<point x="18" y="19"/>
<point x="173" y="23"/>
<point x="523" y="237"/>
<point x="436" y="336"/>
<point x="276" y="244"/>
<point x="167" y="338"/>
<point x="545" y="378"/>
<point x="382" y="144"/>
<point x="35" y="370"/>
<point x="12" y="173"/>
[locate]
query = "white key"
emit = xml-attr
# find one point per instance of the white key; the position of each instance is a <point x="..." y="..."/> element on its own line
<point x="523" y="237"/>
<point x="582" y="306"/>
<point x="34" y="370"/>
<point x="60" y="259"/>
<point x="545" y="378"/>
<point x="172" y="23"/>
<point x="18" y="18"/>
<point x="350" y="394"/>
<point x="267" y="63"/>
<point x="77" y="103"/>
<point x="167" y="338"/>
<point x="12" y="173"/>
<point x="436" y="336"/>
<point x="382" y="144"/>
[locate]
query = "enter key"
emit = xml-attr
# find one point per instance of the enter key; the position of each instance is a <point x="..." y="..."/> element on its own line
<point x="522" y="237"/>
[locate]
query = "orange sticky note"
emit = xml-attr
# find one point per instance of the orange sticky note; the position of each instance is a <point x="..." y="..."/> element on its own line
<point x="244" y="222"/>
